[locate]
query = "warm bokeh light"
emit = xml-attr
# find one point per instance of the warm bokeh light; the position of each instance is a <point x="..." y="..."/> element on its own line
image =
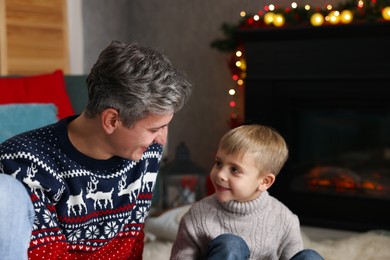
<point x="334" y="17"/>
<point x="278" y="20"/>
<point x="232" y="92"/>
<point x="242" y="64"/>
<point x="256" y="17"/>
<point x="294" y="5"/>
<point x="317" y="19"/>
<point x="242" y="13"/>
<point x="386" y="13"/>
<point x="346" y="16"/>
<point x="271" y="7"/>
<point x="307" y="7"/>
<point x="269" y="18"/>
<point x="240" y="82"/>
<point x="232" y="104"/>
<point x="238" y="63"/>
<point x="329" y="7"/>
<point x="238" y="53"/>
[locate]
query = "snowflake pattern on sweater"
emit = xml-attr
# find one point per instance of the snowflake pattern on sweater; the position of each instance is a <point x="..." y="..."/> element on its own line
<point x="85" y="208"/>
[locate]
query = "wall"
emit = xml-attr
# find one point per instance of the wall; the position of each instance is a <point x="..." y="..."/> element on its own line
<point x="182" y="30"/>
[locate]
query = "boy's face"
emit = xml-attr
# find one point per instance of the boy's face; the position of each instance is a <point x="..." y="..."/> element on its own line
<point x="236" y="178"/>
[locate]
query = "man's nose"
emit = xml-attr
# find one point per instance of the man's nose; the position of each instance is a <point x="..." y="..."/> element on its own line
<point x="161" y="138"/>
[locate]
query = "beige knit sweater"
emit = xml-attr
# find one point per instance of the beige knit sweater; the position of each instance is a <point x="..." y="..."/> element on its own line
<point x="270" y="229"/>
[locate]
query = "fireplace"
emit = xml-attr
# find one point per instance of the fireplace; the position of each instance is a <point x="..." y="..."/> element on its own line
<point x="327" y="91"/>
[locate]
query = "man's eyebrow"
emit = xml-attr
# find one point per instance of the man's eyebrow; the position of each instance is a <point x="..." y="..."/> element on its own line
<point x="158" y="127"/>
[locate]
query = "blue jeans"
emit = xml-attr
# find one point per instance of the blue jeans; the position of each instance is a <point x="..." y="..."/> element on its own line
<point x="221" y="248"/>
<point x="16" y="218"/>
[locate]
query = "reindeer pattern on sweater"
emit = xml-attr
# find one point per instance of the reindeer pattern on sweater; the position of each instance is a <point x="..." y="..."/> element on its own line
<point x="85" y="208"/>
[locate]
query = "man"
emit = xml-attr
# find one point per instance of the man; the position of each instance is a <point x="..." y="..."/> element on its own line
<point x="89" y="177"/>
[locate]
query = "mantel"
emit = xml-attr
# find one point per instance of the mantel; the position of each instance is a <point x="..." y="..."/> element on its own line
<point x="379" y="29"/>
<point x="323" y="52"/>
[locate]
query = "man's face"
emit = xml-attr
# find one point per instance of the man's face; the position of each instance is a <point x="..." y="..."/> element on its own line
<point x="131" y="143"/>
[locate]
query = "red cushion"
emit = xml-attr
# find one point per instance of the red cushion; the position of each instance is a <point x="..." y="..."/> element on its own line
<point x="45" y="88"/>
<point x="209" y="186"/>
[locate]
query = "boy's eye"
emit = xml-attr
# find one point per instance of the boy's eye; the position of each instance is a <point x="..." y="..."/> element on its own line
<point x="235" y="170"/>
<point x="217" y="164"/>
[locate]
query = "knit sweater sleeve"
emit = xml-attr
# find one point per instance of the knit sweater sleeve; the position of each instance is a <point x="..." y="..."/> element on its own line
<point x="292" y="242"/>
<point x="185" y="245"/>
<point x="196" y="231"/>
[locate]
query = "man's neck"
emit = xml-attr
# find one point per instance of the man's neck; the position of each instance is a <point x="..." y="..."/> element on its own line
<point x="87" y="136"/>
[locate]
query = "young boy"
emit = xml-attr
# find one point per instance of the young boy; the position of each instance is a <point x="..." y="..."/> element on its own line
<point x="241" y="220"/>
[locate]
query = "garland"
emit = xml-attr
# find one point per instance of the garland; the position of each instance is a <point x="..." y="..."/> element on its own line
<point x="357" y="11"/>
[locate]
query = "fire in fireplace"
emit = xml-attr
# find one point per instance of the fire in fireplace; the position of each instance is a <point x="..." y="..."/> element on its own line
<point x="335" y="180"/>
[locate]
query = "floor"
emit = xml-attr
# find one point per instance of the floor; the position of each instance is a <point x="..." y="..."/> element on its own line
<point x="318" y="234"/>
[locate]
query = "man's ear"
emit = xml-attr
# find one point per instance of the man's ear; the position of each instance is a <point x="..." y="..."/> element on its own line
<point x="110" y="120"/>
<point x="266" y="182"/>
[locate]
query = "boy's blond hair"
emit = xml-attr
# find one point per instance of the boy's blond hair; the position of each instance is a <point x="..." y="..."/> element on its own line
<point x="264" y="143"/>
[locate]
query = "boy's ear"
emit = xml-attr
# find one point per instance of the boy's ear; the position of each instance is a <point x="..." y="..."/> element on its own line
<point x="266" y="182"/>
<point x="110" y="120"/>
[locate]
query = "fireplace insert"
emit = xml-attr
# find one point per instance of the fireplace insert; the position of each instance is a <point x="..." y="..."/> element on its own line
<point x="327" y="91"/>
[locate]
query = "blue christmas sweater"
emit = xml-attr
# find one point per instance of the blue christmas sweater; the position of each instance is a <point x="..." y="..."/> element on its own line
<point x="85" y="208"/>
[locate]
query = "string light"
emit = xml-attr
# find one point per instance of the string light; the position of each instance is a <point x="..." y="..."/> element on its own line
<point x="346" y="16"/>
<point x="317" y="19"/>
<point x="294" y="5"/>
<point x="334" y="17"/>
<point x="278" y="20"/>
<point x="386" y="13"/>
<point x="269" y="18"/>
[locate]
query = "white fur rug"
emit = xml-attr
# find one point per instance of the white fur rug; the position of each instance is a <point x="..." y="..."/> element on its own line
<point x="367" y="246"/>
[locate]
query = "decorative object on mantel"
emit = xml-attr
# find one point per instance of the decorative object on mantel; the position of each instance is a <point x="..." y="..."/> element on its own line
<point x="183" y="181"/>
<point x="273" y="16"/>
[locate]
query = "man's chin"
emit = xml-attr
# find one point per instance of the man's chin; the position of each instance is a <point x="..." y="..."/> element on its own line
<point x="136" y="156"/>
